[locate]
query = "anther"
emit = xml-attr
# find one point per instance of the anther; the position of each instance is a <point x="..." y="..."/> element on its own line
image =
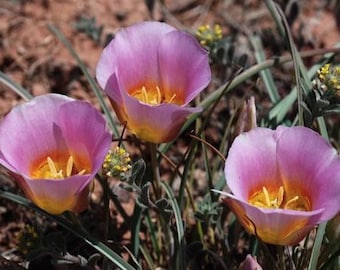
<point x="51" y="165"/>
<point x="145" y="95"/>
<point x="291" y="201"/>
<point x="172" y="98"/>
<point x="159" y="95"/>
<point x="280" y="196"/>
<point x="69" y="166"/>
<point x="266" y="196"/>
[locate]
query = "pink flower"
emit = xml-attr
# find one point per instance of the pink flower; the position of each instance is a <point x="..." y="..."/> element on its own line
<point x="151" y="72"/>
<point x="250" y="263"/>
<point x="53" y="146"/>
<point x="284" y="182"/>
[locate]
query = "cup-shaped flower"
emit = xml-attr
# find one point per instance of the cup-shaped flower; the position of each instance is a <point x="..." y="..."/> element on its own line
<point x="284" y="182"/>
<point x="53" y="146"/>
<point x="151" y="71"/>
<point x="250" y="263"/>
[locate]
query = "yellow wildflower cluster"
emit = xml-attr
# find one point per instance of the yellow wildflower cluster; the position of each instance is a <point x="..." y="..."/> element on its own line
<point x="116" y="162"/>
<point x="28" y="239"/>
<point x="207" y="36"/>
<point x="329" y="78"/>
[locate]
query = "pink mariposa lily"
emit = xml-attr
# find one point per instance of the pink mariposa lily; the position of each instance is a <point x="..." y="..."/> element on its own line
<point x="151" y="72"/>
<point x="53" y="146"/>
<point x="284" y="182"/>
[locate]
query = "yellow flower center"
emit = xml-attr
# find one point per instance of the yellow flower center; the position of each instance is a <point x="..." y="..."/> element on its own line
<point x="280" y="198"/>
<point x="153" y="96"/>
<point x="59" y="167"/>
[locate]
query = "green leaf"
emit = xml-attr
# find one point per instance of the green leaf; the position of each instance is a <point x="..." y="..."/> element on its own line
<point x="99" y="246"/>
<point x="181" y="263"/>
<point x="22" y="92"/>
<point x="265" y="73"/>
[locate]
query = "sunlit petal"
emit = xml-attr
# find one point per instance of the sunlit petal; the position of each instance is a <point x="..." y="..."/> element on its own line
<point x="151" y="71"/>
<point x="284" y="182"/>
<point x="63" y="143"/>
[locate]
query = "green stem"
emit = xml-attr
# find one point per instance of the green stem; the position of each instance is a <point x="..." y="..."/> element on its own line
<point x="155" y="170"/>
<point x="157" y="185"/>
<point x="106" y="201"/>
<point x="114" y="199"/>
<point x="79" y="232"/>
<point x="22" y="92"/>
<point x="281" y="255"/>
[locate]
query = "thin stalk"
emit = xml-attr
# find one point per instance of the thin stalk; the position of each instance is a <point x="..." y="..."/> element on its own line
<point x="265" y="74"/>
<point x="298" y="65"/>
<point x="135" y="223"/>
<point x="114" y="199"/>
<point x="313" y="263"/>
<point x="157" y="185"/>
<point x="155" y="169"/>
<point x="106" y="201"/>
<point x="190" y="156"/>
<point x="180" y="258"/>
<point x="79" y="232"/>
<point x="281" y="255"/>
<point x="204" y="142"/>
<point x="22" y="92"/>
<point x="190" y="197"/>
<point x="153" y="236"/>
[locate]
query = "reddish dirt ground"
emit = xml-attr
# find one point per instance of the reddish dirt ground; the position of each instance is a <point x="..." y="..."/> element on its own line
<point x="32" y="56"/>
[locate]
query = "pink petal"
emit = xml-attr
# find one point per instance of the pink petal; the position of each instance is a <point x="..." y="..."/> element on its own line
<point x="156" y="124"/>
<point x="185" y="69"/>
<point x="250" y="263"/>
<point x="85" y="132"/>
<point x="35" y="122"/>
<point x="48" y="124"/>
<point x="251" y="163"/>
<point x="308" y="161"/>
<point x="56" y="196"/>
<point x="133" y="52"/>
<point x="274" y="226"/>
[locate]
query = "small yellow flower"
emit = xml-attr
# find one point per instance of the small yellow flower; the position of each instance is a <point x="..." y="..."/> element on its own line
<point x="328" y="78"/>
<point x="323" y="72"/>
<point x="207" y="36"/>
<point x="116" y="162"/>
<point x="28" y="239"/>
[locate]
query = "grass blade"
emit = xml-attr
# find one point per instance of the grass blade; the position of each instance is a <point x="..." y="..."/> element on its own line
<point x="265" y="73"/>
<point x="181" y="264"/>
<point x="89" y="78"/>
<point x="99" y="246"/>
<point x="22" y="92"/>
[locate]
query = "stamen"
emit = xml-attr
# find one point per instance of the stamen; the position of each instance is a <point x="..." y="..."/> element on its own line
<point x="53" y="169"/>
<point x="172" y="98"/>
<point x="51" y="165"/>
<point x="69" y="166"/>
<point x="280" y="199"/>
<point x="280" y="196"/>
<point x="266" y="196"/>
<point x="49" y="169"/>
<point x="145" y="95"/>
<point x="291" y="201"/>
<point x="274" y="204"/>
<point x="81" y="172"/>
<point x="159" y="95"/>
